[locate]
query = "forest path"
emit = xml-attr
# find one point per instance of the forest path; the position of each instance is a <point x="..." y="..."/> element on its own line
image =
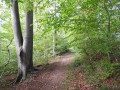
<point x="49" y="77"/>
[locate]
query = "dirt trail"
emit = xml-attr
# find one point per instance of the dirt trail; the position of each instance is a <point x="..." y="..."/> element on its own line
<point x="48" y="77"/>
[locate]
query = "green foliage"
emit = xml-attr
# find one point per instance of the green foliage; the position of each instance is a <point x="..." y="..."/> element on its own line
<point x="89" y="27"/>
<point x="71" y="76"/>
<point x="62" y="46"/>
<point x="103" y="87"/>
<point x="75" y="63"/>
<point x="3" y="82"/>
<point x="40" y="61"/>
<point x="106" y="68"/>
<point x="94" y="71"/>
<point x="89" y="35"/>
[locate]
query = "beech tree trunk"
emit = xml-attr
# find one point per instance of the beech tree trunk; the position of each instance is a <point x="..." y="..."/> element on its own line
<point x="54" y="42"/>
<point x="24" y="48"/>
<point x="54" y="36"/>
<point x="28" y="38"/>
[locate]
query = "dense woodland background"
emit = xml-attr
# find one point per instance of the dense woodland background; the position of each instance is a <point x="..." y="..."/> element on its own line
<point x="89" y="28"/>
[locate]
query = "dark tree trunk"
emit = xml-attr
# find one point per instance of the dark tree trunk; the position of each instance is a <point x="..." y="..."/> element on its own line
<point x="24" y="48"/>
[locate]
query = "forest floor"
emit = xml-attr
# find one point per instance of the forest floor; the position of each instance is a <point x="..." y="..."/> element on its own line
<point x="55" y="76"/>
<point x="48" y="77"/>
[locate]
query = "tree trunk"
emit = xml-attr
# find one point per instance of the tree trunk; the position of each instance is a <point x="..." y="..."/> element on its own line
<point x="28" y="39"/>
<point x="54" y="42"/>
<point x="23" y="48"/>
<point x="54" y="36"/>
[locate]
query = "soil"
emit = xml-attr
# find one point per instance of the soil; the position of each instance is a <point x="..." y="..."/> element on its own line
<point x="48" y="77"/>
<point x="55" y="77"/>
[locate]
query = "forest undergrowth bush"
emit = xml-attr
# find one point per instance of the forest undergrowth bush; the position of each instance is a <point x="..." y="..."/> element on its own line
<point x="95" y="71"/>
<point x="62" y="46"/>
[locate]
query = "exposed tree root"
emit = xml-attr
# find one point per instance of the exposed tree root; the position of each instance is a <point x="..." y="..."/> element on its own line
<point x="20" y="77"/>
<point x="42" y="65"/>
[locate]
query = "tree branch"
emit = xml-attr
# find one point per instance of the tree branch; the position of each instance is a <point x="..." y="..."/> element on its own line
<point x="7" y="47"/>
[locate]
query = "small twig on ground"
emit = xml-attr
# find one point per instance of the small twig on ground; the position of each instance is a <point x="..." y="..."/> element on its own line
<point x="7" y="47"/>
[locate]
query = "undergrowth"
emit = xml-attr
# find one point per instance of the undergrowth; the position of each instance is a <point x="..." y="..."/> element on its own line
<point x="96" y="72"/>
<point x="12" y="67"/>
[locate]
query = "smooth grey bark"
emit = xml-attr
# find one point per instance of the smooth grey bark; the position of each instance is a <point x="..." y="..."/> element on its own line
<point x="24" y="48"/>
<point x="54" y="36"/>
<point x="28" y="38"/>
<point x="54" y="42"/>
